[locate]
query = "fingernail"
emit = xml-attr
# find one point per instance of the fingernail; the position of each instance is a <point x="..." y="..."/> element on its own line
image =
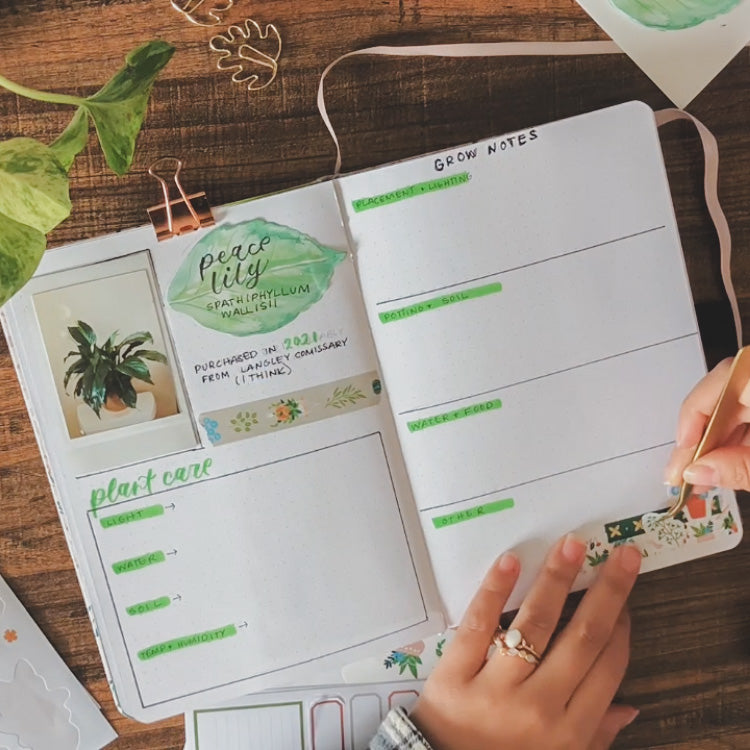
<point x="507" y="563"/>
<point x="699" y="473"/>
<point x="635" y="711"/>
<point x="672" y="475"/>
<point x="573" y="549"/>
<point x="630" y="558"/>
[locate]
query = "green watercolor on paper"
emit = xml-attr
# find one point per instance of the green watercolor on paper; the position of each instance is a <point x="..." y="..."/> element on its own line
<point x="152" y="511"/>
<point x="437" y="302"/>
<point x="151" y="605"/>
<point x="673" y="15"/>
<point x="137" y="563"/>
<point x="252" y="277"/>
<point x="186" y="641"/>
<point x="451" y="416"/>
<point x="440" y="522"/>
<point x="411" y="191"/>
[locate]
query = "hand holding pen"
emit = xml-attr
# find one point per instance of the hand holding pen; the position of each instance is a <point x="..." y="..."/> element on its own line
<point x="720" y="405"/>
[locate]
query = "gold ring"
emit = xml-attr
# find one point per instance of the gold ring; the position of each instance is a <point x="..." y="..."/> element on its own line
<point x="512" y="643"/>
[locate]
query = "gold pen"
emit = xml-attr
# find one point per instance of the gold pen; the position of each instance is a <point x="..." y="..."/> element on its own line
<point x="721" y="423"/>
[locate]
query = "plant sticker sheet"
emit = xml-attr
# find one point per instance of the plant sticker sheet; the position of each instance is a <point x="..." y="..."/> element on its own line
<point x="340" y="717"/>
<point x="537" y="336"/>
<point x="43" y="705"/>
<point x="682" y="45"/>
<point x="223" y="453"/>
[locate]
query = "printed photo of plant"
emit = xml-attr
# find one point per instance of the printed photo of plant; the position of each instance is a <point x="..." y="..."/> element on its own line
<point x="108" y="353"/>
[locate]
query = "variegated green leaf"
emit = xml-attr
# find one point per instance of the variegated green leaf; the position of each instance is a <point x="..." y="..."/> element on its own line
<point x="21" y="249"/>
<point x="33" y="184"/>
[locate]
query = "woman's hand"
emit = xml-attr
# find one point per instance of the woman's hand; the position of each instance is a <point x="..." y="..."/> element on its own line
<point x="474" y="702"/>
<point x="727" y="466"/>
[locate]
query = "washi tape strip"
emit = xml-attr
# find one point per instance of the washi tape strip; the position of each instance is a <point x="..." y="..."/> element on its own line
<point x="705" y="518"/>
<point x="291" y="409"/>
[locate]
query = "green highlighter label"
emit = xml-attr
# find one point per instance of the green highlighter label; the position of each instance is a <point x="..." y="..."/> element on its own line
<point x="452" y="416"/>
<point x="186" y="641"/>
<point x="437" y="302"/>
<point x="468" y="514"/>
<point x="151" y="605"/>
<point x="152" y="511"/>
<point x="410" y="191"/>
<point x="136" y="563"/>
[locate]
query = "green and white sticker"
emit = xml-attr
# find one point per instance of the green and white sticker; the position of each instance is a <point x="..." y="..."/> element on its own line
<point x="252" y="277"/>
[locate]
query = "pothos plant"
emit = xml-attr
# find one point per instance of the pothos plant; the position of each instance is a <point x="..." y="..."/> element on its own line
<point x="104" y="372"/>
<point x="34" y="186"/>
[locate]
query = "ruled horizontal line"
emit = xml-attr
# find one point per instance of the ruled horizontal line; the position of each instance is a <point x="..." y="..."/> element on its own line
<point x="524" y="265"/>
<point x="503" y="490"/>
<point x="547" y="374"/>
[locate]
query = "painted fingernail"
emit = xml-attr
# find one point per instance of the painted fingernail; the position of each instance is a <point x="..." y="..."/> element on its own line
<point x="507" y="563"/>
<point x="573" y="549"/>
<point x="702" y="474"/>
<point x="630" y="558"/>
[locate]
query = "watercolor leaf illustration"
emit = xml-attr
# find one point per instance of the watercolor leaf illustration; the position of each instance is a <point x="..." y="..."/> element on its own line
<point x="669" y="15"/>
<point x="33" y="713"/>
<point x="346" y="396"/>
<point x="252" y="277"/>
<point x="244" y="421"/>
<point x="403" y="662"/>
<point x="34" y="185"/>
<point x="251" y="52"/>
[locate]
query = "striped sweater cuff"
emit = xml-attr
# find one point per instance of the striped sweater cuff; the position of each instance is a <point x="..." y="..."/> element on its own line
<point x="398" y="733"/>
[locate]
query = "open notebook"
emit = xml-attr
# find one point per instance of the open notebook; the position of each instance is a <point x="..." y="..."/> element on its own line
<point x="362" y="391"/>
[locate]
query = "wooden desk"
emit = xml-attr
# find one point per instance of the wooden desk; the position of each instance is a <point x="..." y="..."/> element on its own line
<point x="690" y="669"/>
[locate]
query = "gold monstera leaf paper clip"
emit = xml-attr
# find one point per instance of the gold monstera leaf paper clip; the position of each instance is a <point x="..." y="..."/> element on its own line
<point x="203" y="13"/>
<point x="251" y="51"/>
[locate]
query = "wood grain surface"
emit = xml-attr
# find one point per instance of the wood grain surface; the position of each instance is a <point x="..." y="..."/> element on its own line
<point x="690" y="668"/>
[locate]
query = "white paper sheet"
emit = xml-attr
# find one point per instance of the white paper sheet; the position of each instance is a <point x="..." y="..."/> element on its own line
<point x="680" y="61"/>
<point x="43" y="704"/>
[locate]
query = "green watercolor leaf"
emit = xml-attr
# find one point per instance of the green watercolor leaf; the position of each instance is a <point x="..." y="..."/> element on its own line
<point x="72" y="140"/>
<point x="295" y="272"/>
<point x="33" y="184"/>
<point x="21" y="249"/>
<point x="119" y="107"/>
<point x="669" y="15"/>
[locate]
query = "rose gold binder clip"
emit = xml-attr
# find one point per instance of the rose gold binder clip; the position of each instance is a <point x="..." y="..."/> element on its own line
<point x="178" y="215"/>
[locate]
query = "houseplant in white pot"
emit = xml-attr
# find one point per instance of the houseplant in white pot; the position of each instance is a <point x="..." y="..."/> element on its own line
<point x="103" y="374"/>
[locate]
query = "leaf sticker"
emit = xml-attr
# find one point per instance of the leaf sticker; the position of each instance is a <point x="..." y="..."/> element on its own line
<point x="251" y="52"/>
<point x="252" y="277"/>
<point x="33" y="184"/>
<point x="21" y="249"/>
